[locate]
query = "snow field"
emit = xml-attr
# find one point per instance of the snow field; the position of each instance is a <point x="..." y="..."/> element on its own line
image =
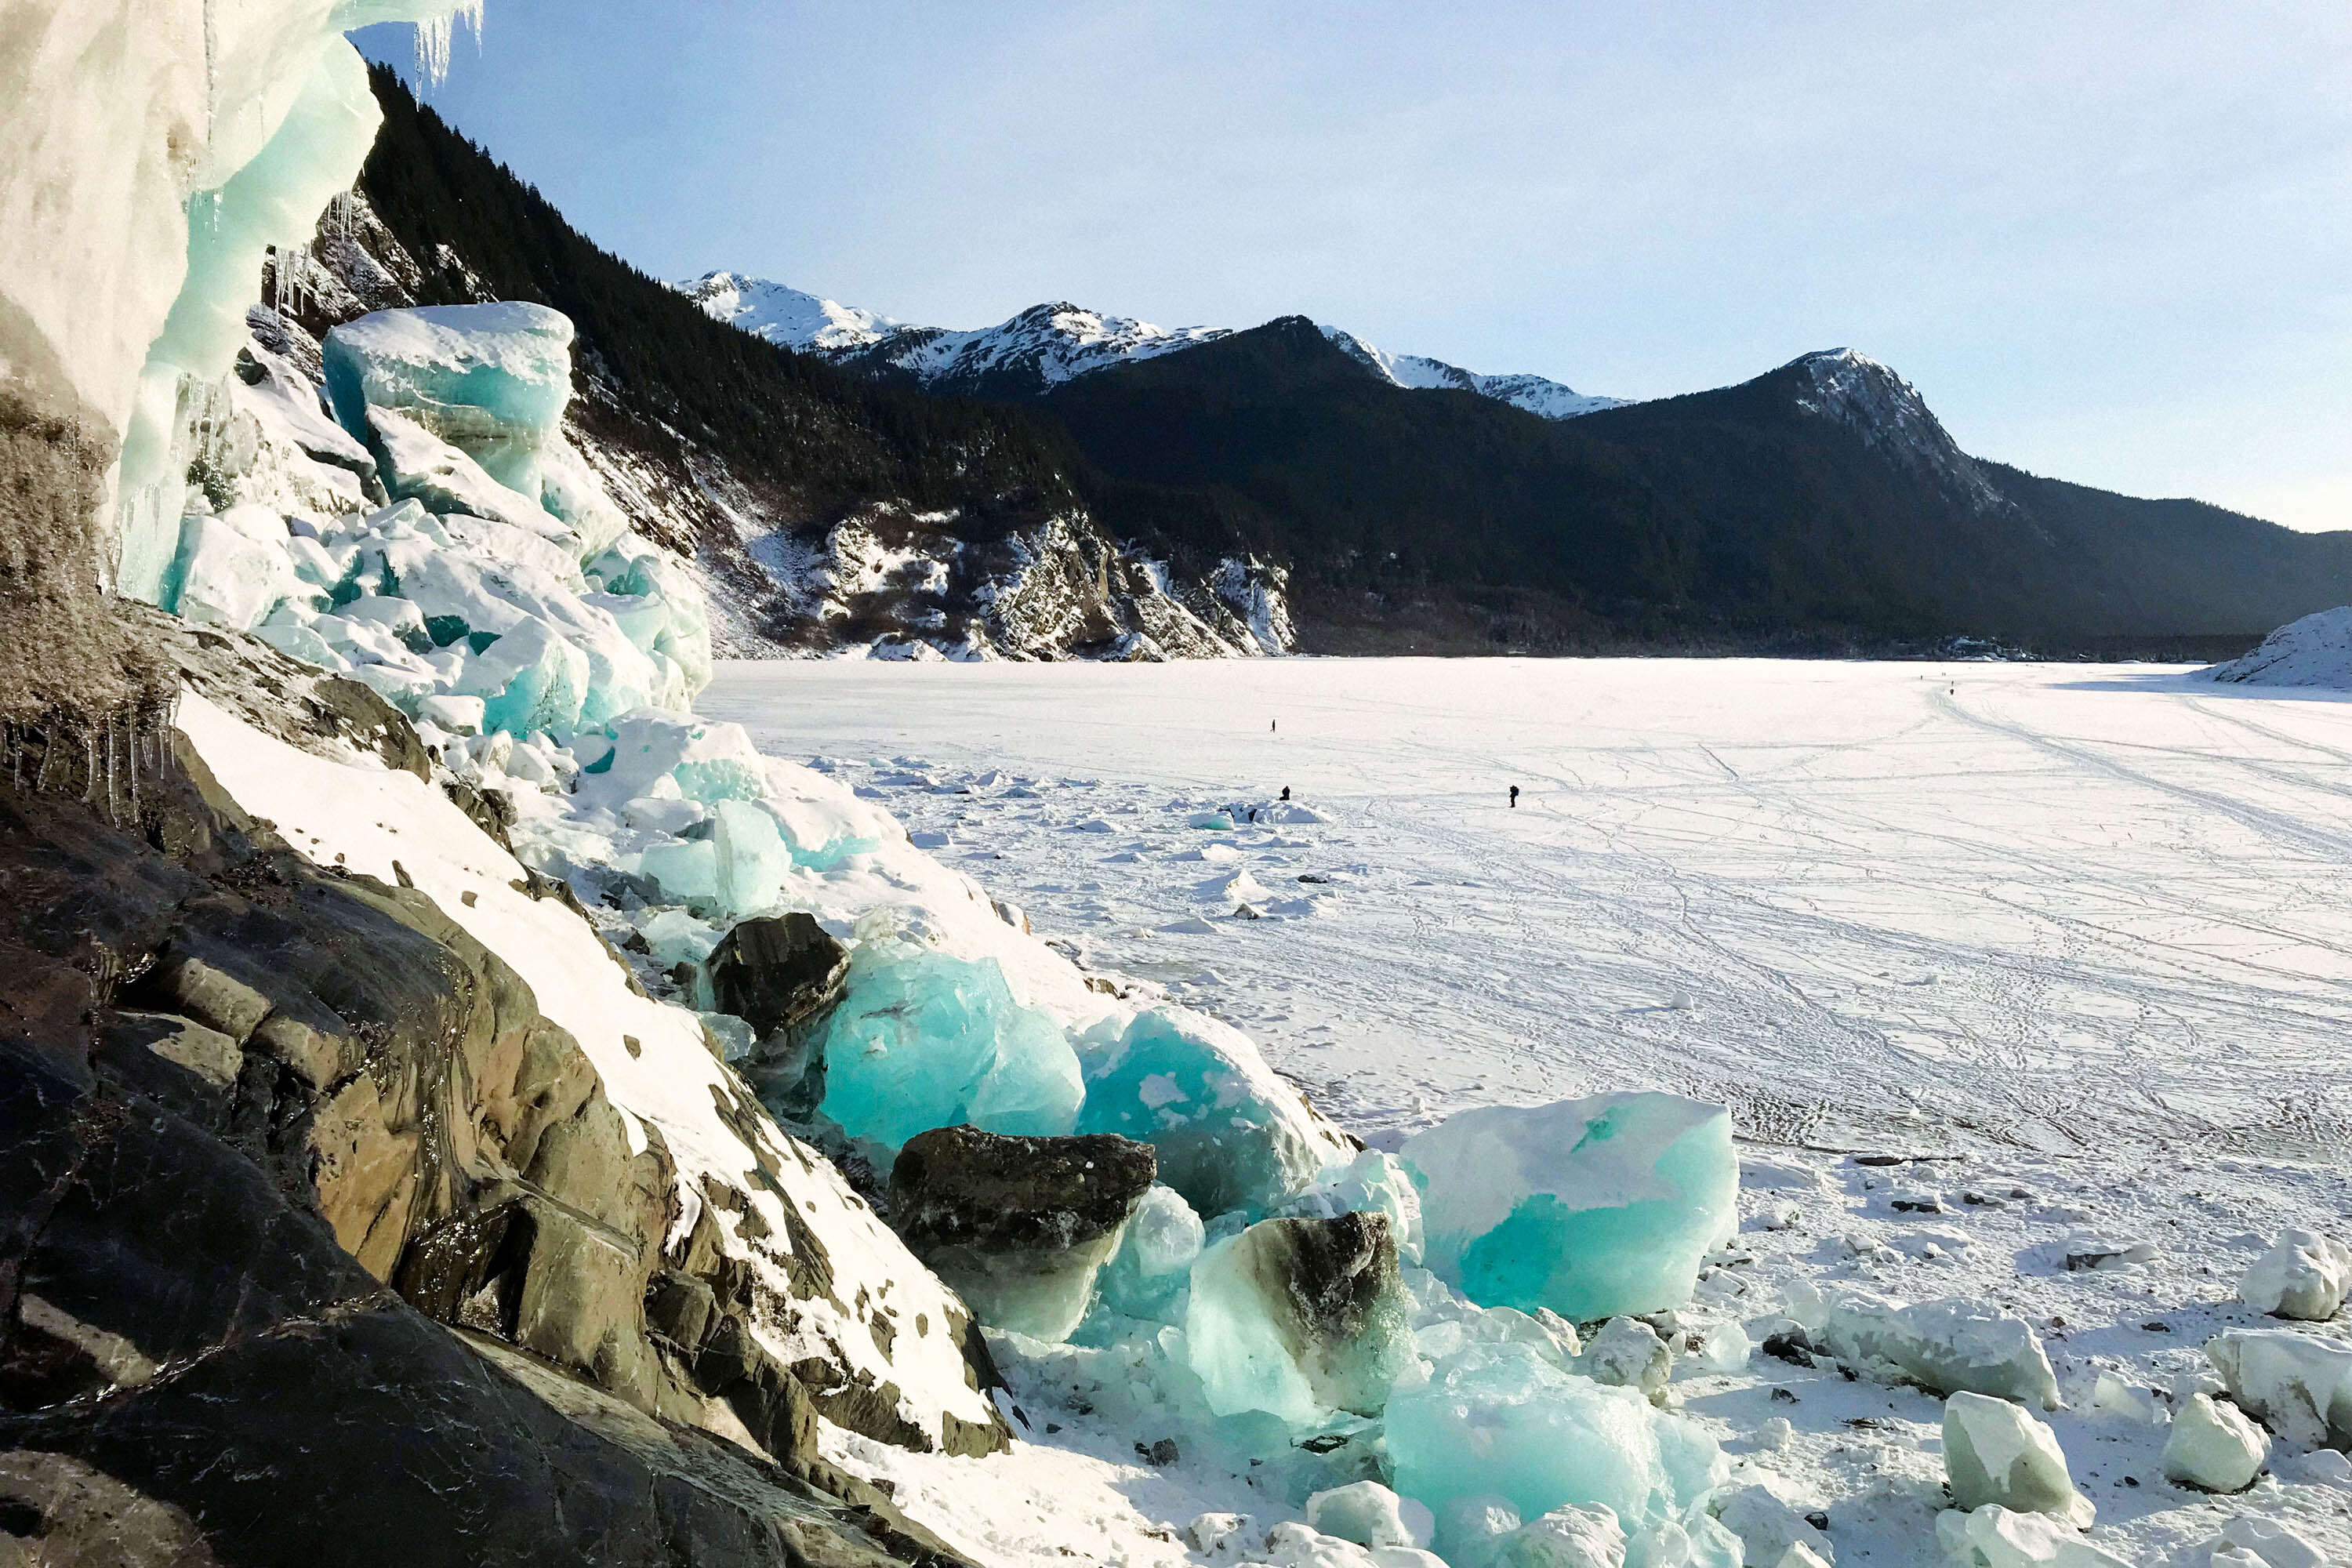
<point x="2065" y="947"/>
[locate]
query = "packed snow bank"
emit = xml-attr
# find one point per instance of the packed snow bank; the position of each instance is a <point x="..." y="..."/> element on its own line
<point x="2313" y="652"/>
<point x="1590" y="1207"/>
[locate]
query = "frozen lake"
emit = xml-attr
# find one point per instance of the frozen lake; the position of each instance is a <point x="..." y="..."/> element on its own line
<point x="2048" y="906"/>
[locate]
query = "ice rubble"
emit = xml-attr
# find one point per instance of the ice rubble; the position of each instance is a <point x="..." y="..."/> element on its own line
<point x="1995" y="1455"/>
<point x="1949" y="1347"/>
<point x="1590" y="1207"/>
<point x="1502" y="1420"/>
<point x="1230" y="1134"/>
<point x="2212" y="1446"/>
<point x="2305" y="1275"/>
<point x="2298" y="1386"/>
<point x="927" y="1040"/>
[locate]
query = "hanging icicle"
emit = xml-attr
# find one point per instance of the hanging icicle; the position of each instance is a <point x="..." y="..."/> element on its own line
<point x="433" y="39"/>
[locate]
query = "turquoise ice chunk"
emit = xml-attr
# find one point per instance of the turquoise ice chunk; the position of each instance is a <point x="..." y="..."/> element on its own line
<point x="923" y="1039"/>
<point x="1591" y="1208"/>
<point x="1230" y="1134"/>
<point x="1148" y="1275"/>
<point x="1498" y="1419"/>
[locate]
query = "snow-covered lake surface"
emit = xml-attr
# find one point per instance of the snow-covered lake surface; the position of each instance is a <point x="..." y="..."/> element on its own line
<point x="2047" y="905"/>
<point x="2063" y="953"/>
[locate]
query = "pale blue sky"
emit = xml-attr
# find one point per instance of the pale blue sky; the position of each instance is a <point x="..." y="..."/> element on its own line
<point x="2108" y="242"/>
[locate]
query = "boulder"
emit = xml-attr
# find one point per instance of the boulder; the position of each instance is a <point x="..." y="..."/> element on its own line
<point x="1995" y="1455"/>
<point x="1019" y="1226"/>
<point x="780" y="974"/>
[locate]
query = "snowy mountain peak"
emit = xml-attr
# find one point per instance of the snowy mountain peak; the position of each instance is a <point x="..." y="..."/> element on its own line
<point x="1888" y="411"/>
<point x="1047" y="344"/>
<point x="786" y="316"/>
<point x="1535" y="394"/>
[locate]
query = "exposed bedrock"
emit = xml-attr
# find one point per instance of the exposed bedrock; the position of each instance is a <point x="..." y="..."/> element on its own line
<point x="302" y="1198"/>
<point x="780" y="974"/>
<point x="1019" y="1226"/>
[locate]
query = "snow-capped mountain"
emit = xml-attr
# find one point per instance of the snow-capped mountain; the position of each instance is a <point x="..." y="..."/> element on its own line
<point x="1533" y="393"/>
<point x="787" y="316"/>
<point x="1048" y="344"/>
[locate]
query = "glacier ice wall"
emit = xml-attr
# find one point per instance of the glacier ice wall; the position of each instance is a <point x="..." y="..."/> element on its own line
<point x="156" y="148"/>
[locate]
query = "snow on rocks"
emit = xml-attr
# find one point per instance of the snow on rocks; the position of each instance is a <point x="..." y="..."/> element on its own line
<point x="1997" y="1454"/>
<point x="1949" y="1346"/>
<point x="1589" y="1207"/>
<point x="656" y="1069"/>
<point x="2305" y="1275"/>
<point x="2214" y="1447"/>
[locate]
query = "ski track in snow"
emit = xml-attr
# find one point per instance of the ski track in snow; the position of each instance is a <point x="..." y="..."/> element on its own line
<point x="2043" y="906"/>
<point x="2077" y="937"/>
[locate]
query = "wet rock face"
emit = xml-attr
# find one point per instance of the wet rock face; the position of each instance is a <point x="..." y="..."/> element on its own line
<point x="1019" y="1226"/>
<point x="780" y="974"/>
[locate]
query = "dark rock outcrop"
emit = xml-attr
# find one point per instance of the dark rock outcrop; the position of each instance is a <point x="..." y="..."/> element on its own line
<point x="320" y="1243"/>
<point x="1019" y="1225"/>
<point x="780" y="974"/>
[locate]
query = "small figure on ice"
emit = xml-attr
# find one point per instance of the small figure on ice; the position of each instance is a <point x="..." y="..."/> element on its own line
<point x="1514" y="797"/>
<point x="1273" y="726"/>
<point x="1286" y="792"/>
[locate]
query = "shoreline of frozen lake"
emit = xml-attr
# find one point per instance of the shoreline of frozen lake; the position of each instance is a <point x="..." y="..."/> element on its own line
<point x="2048" y="905"/>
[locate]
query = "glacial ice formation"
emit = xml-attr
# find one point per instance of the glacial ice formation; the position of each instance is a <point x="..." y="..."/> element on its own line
<point x="2305" y="1275"/>
<point x="490" y="380"/>
<point x="1947" y="1346"/>
<point x="1231" y="1135"/>
<point x="1995" y="1455"/>
<point x="1591" y="1207"/>
<point x="1501" y="1420"/>
<point x="925" y="1039"/>
<point x="1299" y="1317"/>
<point x="1150" y="1276"/>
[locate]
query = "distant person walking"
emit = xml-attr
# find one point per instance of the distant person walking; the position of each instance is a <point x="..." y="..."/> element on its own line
<point x="1514" y="797"/>
<point x="1273" y="725"/>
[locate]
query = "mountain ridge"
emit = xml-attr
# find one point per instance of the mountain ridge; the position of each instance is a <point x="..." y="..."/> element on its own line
<point x="1037" y="349"/>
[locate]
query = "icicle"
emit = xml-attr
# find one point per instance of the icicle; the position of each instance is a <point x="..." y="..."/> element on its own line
<point x="433" y="39"/>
